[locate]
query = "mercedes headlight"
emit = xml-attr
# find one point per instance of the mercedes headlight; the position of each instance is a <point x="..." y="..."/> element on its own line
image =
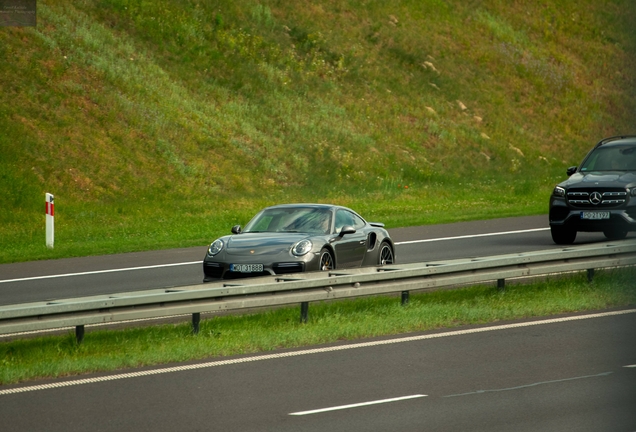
<point x="558" y="191"/>
<point x="302" y="247"/>
<point x="215" y="247"/>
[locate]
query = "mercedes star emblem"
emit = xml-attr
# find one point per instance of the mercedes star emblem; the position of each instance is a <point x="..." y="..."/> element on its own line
<point x="596" y="198"/>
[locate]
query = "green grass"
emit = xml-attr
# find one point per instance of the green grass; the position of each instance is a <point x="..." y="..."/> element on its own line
<point x="161" y="124"/>
<point x="329" y="322"/>
<point x="83" y="229"/>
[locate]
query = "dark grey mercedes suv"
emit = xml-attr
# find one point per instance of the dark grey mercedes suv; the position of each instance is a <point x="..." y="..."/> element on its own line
<point x="599" y="195"/>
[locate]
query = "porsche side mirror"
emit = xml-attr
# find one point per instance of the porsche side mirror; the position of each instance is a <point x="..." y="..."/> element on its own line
<point x="571" y="170"/>
<point x="347" y="229"/>
<point x="236" y="229"/>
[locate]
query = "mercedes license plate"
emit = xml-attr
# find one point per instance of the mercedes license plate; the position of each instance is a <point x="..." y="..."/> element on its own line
<point x="595" y="215"/>
<point x="246" y="268"/>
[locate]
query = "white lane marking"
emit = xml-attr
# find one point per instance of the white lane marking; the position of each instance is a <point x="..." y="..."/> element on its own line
<point x="472" y="236"/>
<point x="309" y="352"/>
<point x="530" y="385"/>
<point x="101" y="271"/>
<point x="200" y="262"/>
<point x="356" y="405"/>
<point x="631" y="366"/>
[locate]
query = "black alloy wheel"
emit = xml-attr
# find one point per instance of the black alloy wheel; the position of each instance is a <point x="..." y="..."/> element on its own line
<point x="386" y="254"/>
<point x="326" y="260"/>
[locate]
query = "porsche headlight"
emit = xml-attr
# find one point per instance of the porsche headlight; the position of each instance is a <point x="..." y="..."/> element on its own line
<point x="302" y="247"/>
<point x="215" y="247"/>
<point x="558" y="191"/>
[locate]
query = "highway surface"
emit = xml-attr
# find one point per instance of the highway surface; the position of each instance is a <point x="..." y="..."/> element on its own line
<point x="575" y="372"/>
<point x="75" y="277"/>
<point x="544" y="375"/>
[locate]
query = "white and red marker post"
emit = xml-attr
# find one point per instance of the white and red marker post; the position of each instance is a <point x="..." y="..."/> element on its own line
<point x="50" y="225"/>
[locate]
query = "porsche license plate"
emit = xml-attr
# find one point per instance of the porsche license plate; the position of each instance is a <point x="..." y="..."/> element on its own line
<point x="595" y="215"/>
<point x="246" y="268"/>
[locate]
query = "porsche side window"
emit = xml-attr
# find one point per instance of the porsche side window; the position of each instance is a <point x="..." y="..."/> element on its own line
<point x="343" y="218"/>
<point x="358" y="223"/>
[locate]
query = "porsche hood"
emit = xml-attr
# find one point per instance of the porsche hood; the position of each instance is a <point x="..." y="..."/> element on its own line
<point x="254" y="244"/>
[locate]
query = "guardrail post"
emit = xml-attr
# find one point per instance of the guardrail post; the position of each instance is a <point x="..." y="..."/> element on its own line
<point x="405" y="298"/>
<point x="196" y="319"/>
<point x="304" y="311"/>
<point x="501" y="284"/>
<point x="79" y="334"/>
<point x="590" y="275"/>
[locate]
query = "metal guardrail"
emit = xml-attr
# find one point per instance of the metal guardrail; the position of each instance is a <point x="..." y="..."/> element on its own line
<point x="308" y="287"/>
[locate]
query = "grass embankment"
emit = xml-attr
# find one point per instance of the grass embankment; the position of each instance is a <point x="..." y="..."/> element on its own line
<point x="108" y="350"/>
<point x="162" y="124"/>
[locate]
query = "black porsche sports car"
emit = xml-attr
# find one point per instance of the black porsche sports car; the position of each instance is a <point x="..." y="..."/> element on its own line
<point x="294" y="238"/>
<point x="600" y="194"/>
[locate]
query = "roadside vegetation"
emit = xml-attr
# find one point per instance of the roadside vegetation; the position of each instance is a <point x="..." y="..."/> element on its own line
<point x="162" y="124"/>
<point x="329" y="322"/>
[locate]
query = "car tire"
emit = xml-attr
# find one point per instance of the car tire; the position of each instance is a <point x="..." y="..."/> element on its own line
<point x="386" y="255"/>
<point x="615" y="234"/>
<point x="326" y="260"/>
<point x="562" y="235"/>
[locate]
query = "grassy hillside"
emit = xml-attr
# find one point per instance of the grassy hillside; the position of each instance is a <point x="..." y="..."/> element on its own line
<point x="161" y="124"/>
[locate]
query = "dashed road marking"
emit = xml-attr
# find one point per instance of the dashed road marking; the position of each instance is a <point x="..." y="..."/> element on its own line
<point x="357" y="405"/>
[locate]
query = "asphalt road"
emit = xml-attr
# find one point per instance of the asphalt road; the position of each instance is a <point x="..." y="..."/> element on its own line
<point x="76" y="277"/>
<point x="577" y="375"/>
<point x="556" y="375"/>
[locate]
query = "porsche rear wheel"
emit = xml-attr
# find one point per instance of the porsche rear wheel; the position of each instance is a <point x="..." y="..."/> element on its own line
<point x="386" y="254"/>
<point x="326" y="260"/>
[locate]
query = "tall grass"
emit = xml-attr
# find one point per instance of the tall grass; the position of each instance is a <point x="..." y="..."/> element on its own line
<point x="180" y="111"/>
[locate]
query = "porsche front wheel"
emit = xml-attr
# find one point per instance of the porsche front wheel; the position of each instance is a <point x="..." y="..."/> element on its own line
<point x="326" y="260"/>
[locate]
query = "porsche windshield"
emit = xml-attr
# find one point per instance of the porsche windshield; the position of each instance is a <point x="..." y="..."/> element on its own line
<point x="611" y="158"/>
<point x="296" y="219"/>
